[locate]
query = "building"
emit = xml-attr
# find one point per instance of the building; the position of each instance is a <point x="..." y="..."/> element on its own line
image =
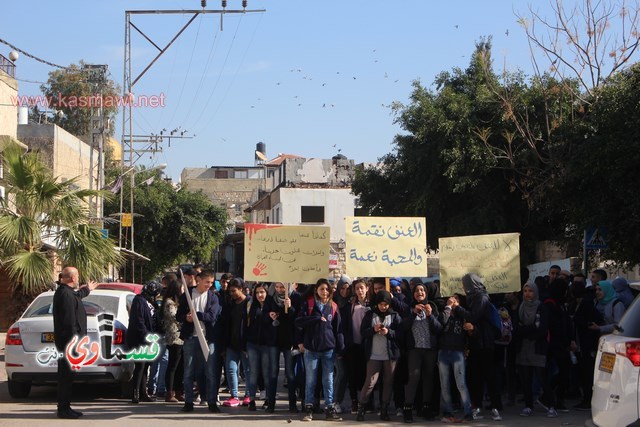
<point x="302" y="191"/>
<point x="8" y="136"/>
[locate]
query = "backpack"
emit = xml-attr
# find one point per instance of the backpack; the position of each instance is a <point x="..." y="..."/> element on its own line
<point x="311" y="303"/>
<point x="495" y="321"/>
<point x="506" y="327"/>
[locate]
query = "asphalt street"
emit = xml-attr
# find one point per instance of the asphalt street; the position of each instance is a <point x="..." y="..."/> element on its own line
<point x="102" y="405"/>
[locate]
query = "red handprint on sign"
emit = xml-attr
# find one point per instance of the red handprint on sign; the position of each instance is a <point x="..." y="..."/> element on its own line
<point x="259" y="268"/>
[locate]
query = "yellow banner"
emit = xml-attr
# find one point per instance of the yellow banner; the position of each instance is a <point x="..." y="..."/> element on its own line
<point x="286" y="253"/>
<point x="493" y="257"/>
<point x="386" y="246"/>
<point x="125" y="219"/>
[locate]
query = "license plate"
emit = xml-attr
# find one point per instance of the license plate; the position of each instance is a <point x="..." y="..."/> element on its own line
<point x="47" y="337"/>
<point x="606" y="362"/>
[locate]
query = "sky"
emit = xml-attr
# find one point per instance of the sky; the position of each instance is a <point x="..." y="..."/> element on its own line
<point x="307" y="77"/>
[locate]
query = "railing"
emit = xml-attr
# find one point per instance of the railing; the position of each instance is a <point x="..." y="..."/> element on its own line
<point x="7" y="66"/>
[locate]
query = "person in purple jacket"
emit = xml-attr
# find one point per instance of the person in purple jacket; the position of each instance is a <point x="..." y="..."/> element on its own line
<point x="322" y="341"/>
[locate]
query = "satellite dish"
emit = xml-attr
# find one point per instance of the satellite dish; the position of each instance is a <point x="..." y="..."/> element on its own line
<point x="261" y="156"/>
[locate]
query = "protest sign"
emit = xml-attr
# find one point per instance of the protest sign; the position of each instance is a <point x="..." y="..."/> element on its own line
<point x="386" y="246"/>
<point x="493" y="257"/>
<point x="286" y="253"/>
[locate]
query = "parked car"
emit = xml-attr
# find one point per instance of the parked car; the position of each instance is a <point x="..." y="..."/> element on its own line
<point x="30" y="357"/>
<point x="616" y="385"/>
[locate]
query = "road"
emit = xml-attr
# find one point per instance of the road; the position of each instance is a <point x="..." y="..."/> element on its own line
<point x="102" y="406"/>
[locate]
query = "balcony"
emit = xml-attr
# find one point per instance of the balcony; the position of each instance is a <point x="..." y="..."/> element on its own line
<point x="7" y="66"/>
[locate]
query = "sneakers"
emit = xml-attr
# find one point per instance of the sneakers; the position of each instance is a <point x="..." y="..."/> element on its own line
<point x="551" y="413"/>
<point x="309" y="410"/>
<point x="338" y="408"/>
<point x="232" y="401"/>
<point x="526" y="412"/>
<point x="252" y="405"/>
<point x="354" y="406"/>
<point x="246" y="400"/>
<point x="213" y="407"/>
<point x="561" y="408"/>
<point x="399" y="412"/>
<point x="476" y="414"/>
<point x="188" y="407"/>
<point x="331" y="414"/>
<point x="468" y="418"/>
<point x="449" y="418"/>
<point x="542" y="405"/>
<point x="583" y="406"/>
<point x="495" y="414"/>
<point x="263" y="395"/>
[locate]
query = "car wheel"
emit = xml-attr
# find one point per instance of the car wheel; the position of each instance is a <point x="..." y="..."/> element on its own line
<point x="19" y="390"/>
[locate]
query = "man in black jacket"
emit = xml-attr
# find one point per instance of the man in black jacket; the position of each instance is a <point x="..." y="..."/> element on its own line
<point x="69" y="320"/>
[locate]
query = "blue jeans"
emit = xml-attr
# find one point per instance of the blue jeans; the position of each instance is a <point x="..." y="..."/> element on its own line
<point x="288" y="371"/>
<point x="448" y="359"/>
<point x="193" y="364"/>
<point x="327" y="359"/>
<point x="233" y="358"/>
<point x="262" y="359"/>
<point x="158" y="371"/>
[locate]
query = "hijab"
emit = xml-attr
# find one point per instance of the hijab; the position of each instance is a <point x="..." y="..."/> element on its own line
<point x="277" y="298"/>
<point x="608" y="291"/>
<point x="474" y="289"/>
<point x="382" y="296"/>
<point x="528" y="309"/>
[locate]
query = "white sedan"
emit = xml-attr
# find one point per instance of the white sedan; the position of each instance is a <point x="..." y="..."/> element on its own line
<point x="30" y="354"/>
<point x="616" y="385"/>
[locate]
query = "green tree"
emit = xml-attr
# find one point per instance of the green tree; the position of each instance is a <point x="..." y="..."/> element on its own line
<point x="600" y="184"/>
<point x="42" y="218"/>
<point x="441" y="169"/>
<point x="170" y="226"/>
<point x="73" y="90"/>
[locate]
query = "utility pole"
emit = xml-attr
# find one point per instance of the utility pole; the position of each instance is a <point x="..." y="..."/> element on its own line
<point x="97" y="77"/>
<point x="151" y="141"/>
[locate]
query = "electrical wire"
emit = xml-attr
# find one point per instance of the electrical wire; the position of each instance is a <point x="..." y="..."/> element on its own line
<point x="215" y="86"/>
<point x="31" y="56"/>
<point x="204" y="74"/>
<point x="186" y="76"/>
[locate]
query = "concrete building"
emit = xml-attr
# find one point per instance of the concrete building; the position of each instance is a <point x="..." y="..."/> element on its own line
<point x="309" y="192"/>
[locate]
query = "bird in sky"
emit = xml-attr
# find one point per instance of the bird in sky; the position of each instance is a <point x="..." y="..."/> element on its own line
<point x="507" y="32"/>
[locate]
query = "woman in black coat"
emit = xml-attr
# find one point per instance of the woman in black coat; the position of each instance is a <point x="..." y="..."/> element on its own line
<point x="141" y="325"/>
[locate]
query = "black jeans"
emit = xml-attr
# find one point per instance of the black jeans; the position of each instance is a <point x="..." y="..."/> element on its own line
<point x="173" y="376"/>
<point x="481" y="372"/>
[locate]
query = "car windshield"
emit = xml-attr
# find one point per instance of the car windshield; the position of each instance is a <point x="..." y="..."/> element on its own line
<point x="93" y="304"/>
<point x="629" y="325"/>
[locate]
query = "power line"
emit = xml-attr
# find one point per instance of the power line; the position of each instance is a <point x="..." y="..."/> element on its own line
<point x="32" y="56"/>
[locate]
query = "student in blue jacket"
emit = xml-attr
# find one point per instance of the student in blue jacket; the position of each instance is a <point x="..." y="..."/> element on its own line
<point x="322" y="341"/>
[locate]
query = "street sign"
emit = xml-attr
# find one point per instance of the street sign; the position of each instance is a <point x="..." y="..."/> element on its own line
<point x="595" y="238"/>
<point x="125" y="220"/>
<point x="105" y="233"/>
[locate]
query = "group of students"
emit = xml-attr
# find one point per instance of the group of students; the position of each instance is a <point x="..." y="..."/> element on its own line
<point x="346" y="335"/>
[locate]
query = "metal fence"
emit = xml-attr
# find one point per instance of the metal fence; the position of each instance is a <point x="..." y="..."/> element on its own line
<point x="7" y="66"/>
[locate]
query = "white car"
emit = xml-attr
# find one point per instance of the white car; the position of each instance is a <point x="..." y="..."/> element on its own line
<point x="30" y="355"/>
<point x="616" y="385"/>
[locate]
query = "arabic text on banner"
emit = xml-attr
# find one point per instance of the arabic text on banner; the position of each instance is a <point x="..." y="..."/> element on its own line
<point x="386" y="246"/>
<point x="286" y="253"/>
<point x="493" y="257"/>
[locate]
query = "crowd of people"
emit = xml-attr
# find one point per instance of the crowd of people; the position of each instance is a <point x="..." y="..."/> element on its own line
<point x="389" y="343"/>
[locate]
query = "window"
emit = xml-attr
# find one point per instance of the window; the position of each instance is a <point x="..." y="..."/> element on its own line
<point x="312" y="214"/>
<point x="240" y="174"/>
<point x="222" y="174"/>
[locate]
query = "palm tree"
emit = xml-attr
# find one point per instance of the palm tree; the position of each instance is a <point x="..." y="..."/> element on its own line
<point x="41" y="217"/>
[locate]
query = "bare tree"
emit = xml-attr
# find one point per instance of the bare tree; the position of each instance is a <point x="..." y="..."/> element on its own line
<point x="582" y="45"/>
<point x="589" y="41"/>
